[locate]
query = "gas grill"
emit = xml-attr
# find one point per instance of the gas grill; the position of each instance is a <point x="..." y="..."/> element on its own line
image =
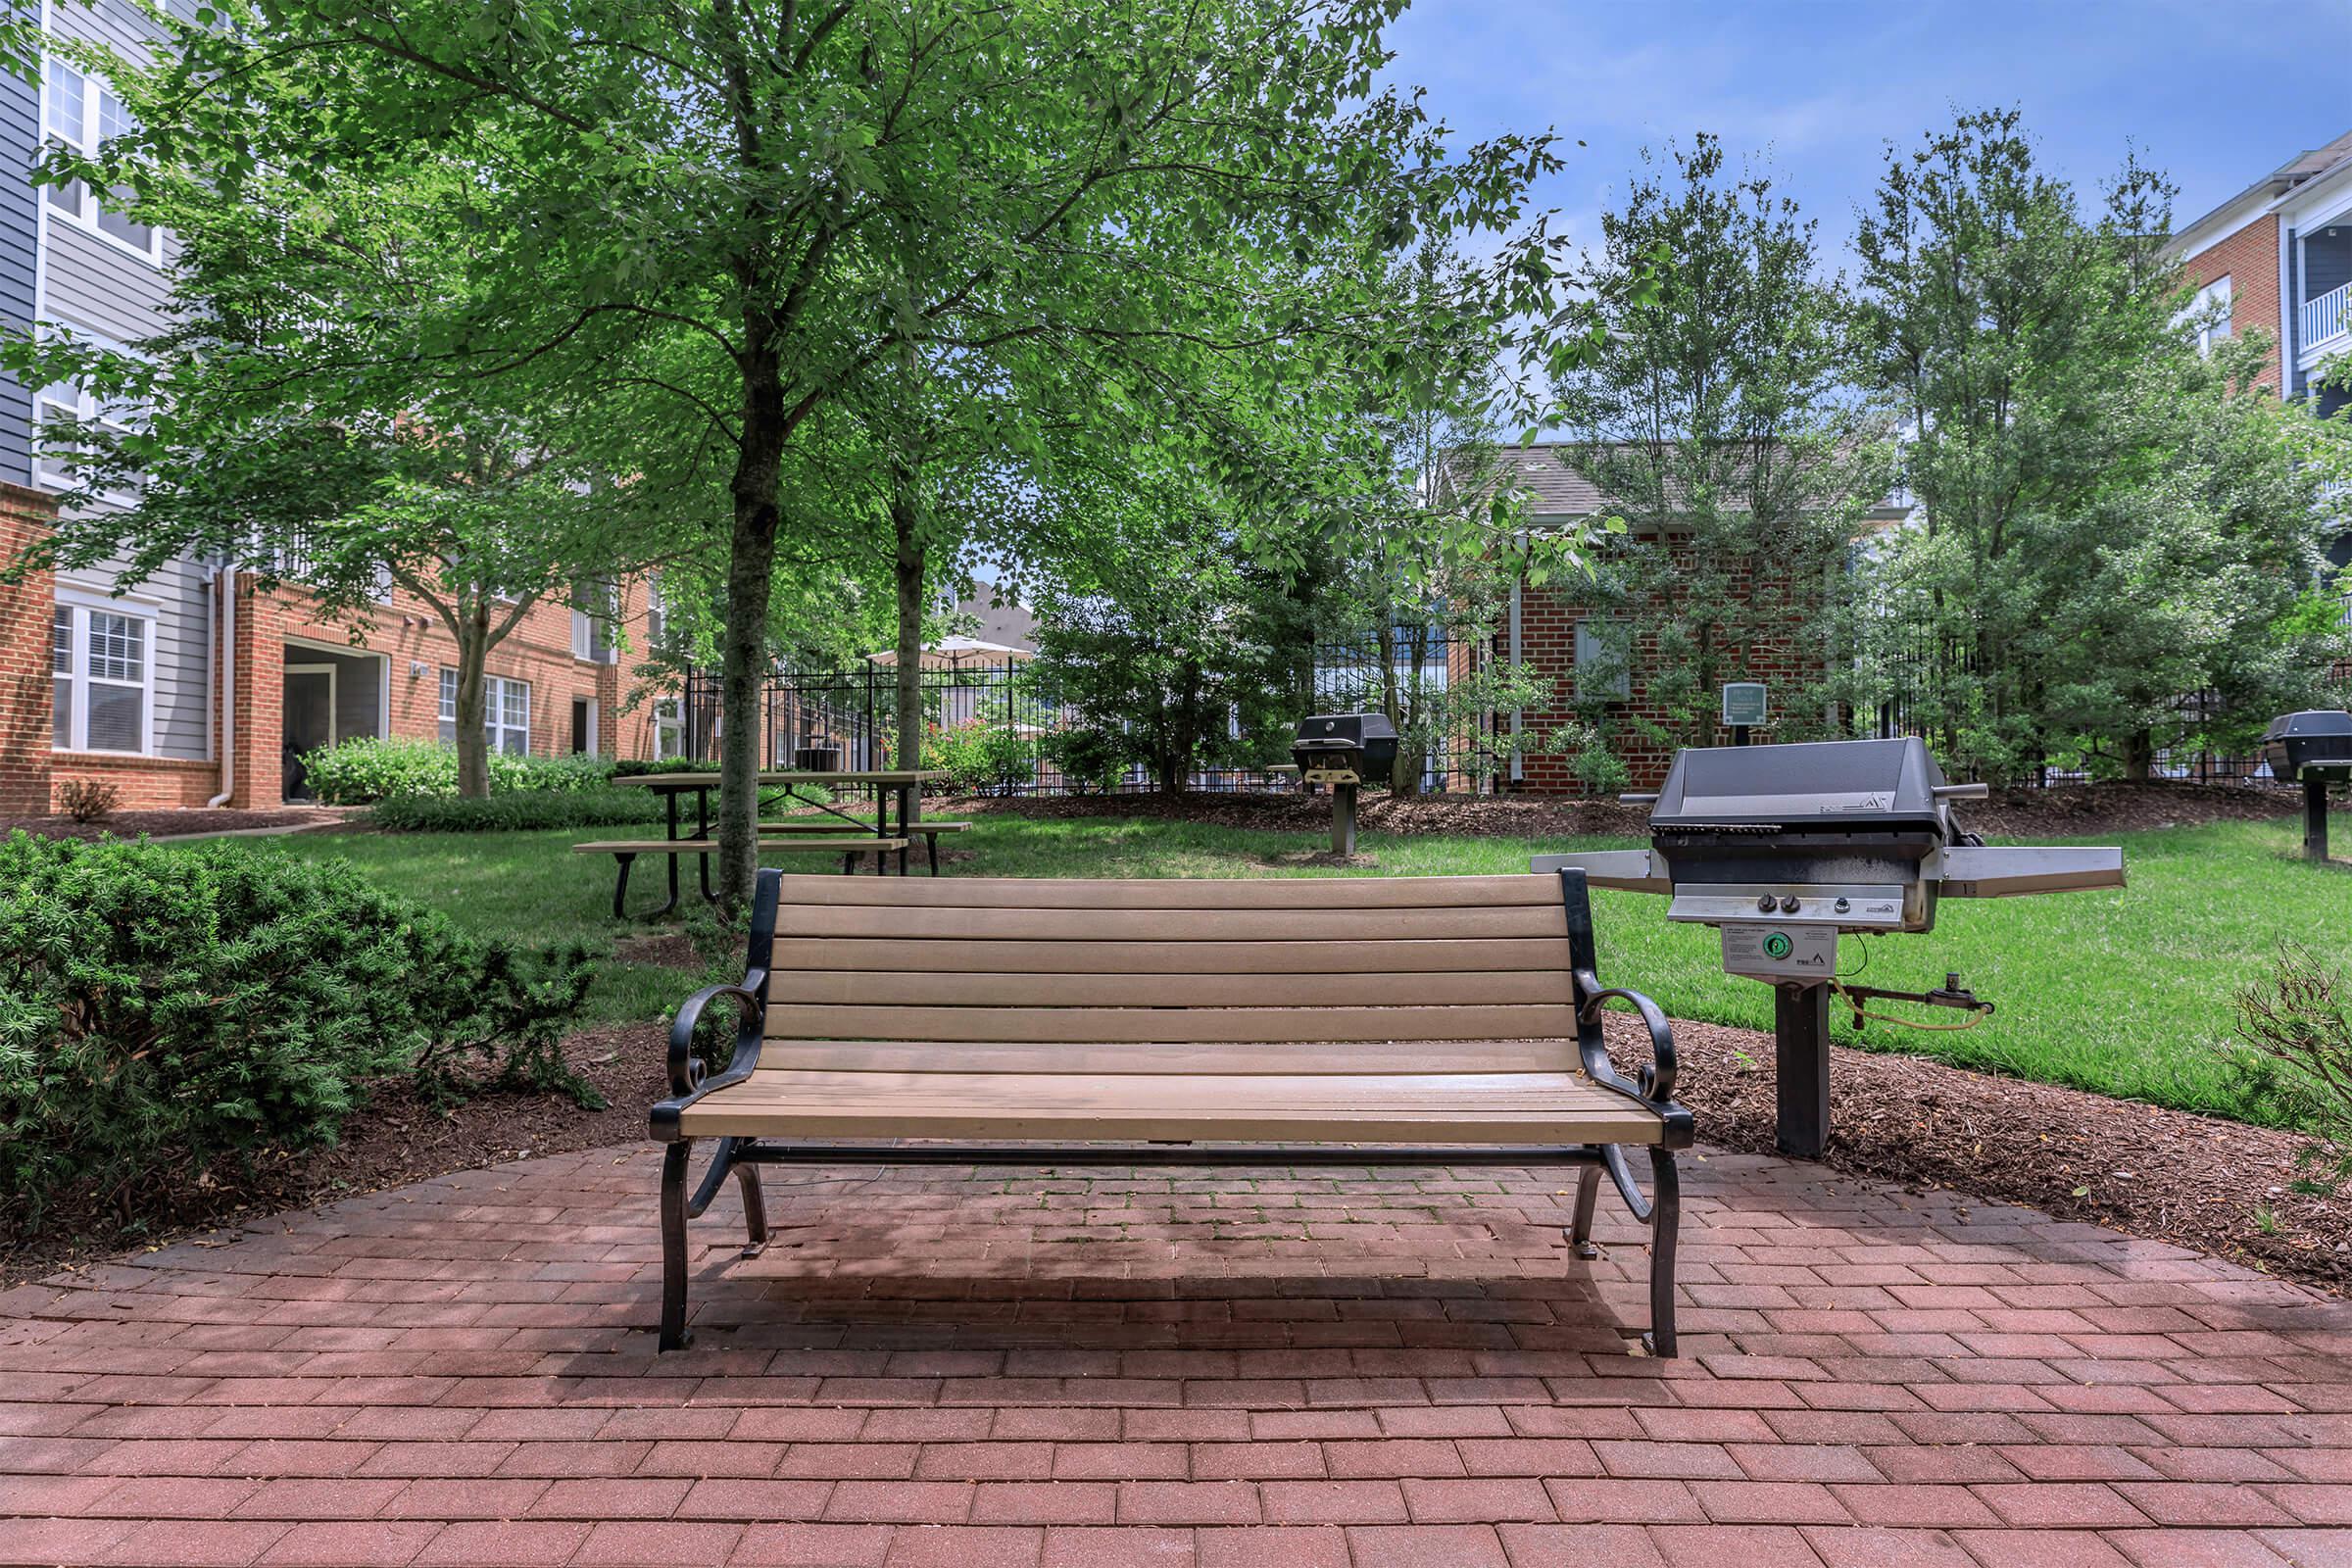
<point x="2314" y="747"/>
<point x="1786" y="847"/>
<point x="1341" y="751"/>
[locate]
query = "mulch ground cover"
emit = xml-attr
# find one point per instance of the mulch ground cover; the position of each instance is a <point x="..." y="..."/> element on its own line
<point x="161" y="824"/>
<point x="2219" y="1186"/>
<point x="2068" y="810"/>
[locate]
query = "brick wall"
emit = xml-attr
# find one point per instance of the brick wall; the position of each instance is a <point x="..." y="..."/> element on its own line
<point x="25" y="609"/>
<point x="142" y="783"/>
<point x="417" y="646"/>
<point x="2249" y="258"/>
<point x="1547" y="621"/>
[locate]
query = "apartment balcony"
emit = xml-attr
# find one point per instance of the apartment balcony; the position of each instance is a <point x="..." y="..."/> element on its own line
<point x="2324" y="325"/>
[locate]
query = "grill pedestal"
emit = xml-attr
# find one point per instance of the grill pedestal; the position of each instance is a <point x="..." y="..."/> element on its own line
<point x="1800" y="1048"/>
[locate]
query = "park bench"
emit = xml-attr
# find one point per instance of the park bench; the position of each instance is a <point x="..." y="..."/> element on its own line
<point x="1375" y="1021"/>
<point x="626" y="851"/>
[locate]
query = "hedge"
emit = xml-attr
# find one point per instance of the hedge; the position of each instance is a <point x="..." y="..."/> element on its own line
<point x="166" y="1009"/>
<point x="354" y="772"/>
<point x="523" y="810"/>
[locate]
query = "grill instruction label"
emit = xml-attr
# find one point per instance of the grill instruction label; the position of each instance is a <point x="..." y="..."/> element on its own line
<point x="1780" y="951"/>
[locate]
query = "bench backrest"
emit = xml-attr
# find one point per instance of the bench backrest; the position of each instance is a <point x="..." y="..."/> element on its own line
<point x="1283" y="974"/>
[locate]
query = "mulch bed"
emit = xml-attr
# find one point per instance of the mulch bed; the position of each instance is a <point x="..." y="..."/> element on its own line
<point x="131" y="824"/>
<point x="2068" y="810"/>
<point x="2219" y="1186"/>
<point x="2196" y="1180"/>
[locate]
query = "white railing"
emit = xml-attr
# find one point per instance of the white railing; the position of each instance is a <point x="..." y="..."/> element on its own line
<point x="2328" y="317"/>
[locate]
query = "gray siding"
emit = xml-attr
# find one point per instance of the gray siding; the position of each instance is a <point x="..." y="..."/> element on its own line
<point x="179" y="596"/>
<point x="20" y="111"/>
<point x="94" y="286"/>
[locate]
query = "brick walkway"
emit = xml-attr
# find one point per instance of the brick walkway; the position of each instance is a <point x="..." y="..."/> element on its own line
<point x="934" y="1367"/>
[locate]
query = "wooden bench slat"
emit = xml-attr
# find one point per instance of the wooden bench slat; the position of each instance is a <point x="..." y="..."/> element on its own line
<point x="1056" y="988"/>
<point x="648" y="847"/>
<point x="1048" y="924"/>
<point x="1246" y="1059"/>
<point x="846" y="843"/>
<point x="1044" y="1026"/>
<point x="1532" y="1107"/>
<point x="1418" y="956"/>
<point x="1419" y="892"/>
<point x="838" y="827"/>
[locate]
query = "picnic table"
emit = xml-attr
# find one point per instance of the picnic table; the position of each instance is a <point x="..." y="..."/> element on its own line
<point x="901" y="785"/>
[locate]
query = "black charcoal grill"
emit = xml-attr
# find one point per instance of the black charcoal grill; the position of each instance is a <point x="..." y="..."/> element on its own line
<point x="1340" y="751"/>
<point x="1786" y="847"/>
<point x="2315" y="748"/>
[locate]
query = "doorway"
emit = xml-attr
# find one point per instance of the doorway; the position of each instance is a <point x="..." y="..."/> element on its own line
<point x="583" y="724"/>
<point x="308" y="723"/>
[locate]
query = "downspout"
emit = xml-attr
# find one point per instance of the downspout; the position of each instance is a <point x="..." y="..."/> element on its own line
<point x="228" y="687"/>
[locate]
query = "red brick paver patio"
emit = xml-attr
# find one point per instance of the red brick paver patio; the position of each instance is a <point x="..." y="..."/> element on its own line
<point x="1402" y="1368"/>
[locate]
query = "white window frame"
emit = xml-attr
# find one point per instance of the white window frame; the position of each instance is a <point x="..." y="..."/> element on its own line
<point x="1621" y="688"/>
<point x="80" y="403"/>
<point x="495" y="728"/>
<point x="2201" y="305"/>
<point x="83" y="605"/>
<point x="669" y="727"/>
<point x="85" y="138"/>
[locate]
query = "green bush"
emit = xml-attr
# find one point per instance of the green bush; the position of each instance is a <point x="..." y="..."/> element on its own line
<point x="638" y="766"/>
<point x="981" y="759"/>
<point x="165" y="1010"/>
<point x="1088" y="759"/>
<point x="520" y="810"/>
<point x="354" y="772"/>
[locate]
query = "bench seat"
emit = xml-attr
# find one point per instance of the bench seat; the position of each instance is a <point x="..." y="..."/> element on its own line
<point x="1253" y="1022"/>
<point x="1342" y="1108"/>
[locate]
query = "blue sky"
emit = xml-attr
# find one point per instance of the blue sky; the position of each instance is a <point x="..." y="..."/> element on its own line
<point x="2216" y="94"/>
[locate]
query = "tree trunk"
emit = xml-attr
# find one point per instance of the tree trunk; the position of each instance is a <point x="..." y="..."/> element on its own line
<point x="908" y="571"/>
<point x="743" y="636"/>
<point x="2139" y="756"/>
<point x="472" y="737"/>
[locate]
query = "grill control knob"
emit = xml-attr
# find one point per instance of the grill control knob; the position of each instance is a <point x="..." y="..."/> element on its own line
<point x="1763" y="904"/>
<point x="1841" y="905"/>
<point x="1787" y="903"/>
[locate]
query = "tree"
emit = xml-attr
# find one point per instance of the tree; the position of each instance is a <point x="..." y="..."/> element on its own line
<point x="238" y="439"/>
<point x="1717" y="419"/>
<point x="753" y="205"/>
<point x="2106" y="527"/>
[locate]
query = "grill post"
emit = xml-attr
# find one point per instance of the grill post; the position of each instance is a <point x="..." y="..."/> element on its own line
<point x="1800" y="1039"/>
<point x="2315" y="816"/>
<point x="1343" y="819"/>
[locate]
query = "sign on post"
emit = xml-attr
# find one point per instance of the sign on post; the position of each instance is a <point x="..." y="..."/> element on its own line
<point x="1743" y="704"/>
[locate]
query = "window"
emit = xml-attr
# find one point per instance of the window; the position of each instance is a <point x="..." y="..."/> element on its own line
<point x="2207" y="313"/>
<point x="506" y="713"/>
<point x="100" y="678"/>
<point x="591" y="608"/>
<point x="1600" y="666"/>
<point x="670" y="728"/>
<point x="85" y="114"/>
<point x="53" y="455"/>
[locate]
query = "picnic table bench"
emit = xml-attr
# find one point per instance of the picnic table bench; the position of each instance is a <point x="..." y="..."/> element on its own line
<point x="625" y="853"/>
<point x="1343" y="1021"/>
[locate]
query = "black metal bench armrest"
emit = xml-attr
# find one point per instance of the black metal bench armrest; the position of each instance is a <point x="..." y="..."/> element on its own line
<point x="1653" y="1085"/>
<point x="687" y="1082"/>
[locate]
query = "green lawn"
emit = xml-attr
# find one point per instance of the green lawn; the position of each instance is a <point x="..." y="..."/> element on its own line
<point x="2126" y="993"/>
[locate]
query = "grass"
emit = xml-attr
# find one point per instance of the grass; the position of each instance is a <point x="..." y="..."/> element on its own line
<point x="2126" y="993"/>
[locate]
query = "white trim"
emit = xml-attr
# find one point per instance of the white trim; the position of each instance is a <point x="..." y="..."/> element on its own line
<point x="96" y="598"/>
<point x="79" y="606"/>
<point x="86" y="219"/>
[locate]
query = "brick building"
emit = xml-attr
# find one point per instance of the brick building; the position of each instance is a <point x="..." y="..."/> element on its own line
<point x="1590" y="653"/>
<point x="189" y="686"/>
<point x="2277" y="258"/>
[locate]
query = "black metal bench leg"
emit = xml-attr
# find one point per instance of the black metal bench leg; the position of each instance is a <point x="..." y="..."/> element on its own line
<point x="621" y="888"/>
<point x="674" y="1332"/>
<point x="931" y="844"/>
<point x="1588" y="1191"/>
<point x="755" y="1208"/>
<point x="1665" y="1220"/>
